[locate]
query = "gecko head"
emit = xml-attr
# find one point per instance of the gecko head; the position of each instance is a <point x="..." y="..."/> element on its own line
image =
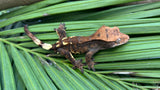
<point x="121" y="39"/>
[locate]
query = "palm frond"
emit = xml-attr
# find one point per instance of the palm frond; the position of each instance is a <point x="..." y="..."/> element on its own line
<point x="6" y="69"/>
<point x="62" y="8"/>
<point x="134" y="65"/>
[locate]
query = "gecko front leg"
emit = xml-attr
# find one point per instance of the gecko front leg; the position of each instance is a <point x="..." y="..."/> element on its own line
<point x="89" y="59"/>
<point x="68" y="55"/>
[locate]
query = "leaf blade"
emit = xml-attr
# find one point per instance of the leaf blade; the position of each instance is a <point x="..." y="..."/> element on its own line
<point x="8" y="81"/>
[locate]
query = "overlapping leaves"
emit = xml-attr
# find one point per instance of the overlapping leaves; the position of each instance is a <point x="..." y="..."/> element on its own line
<point x="133" y="65"/>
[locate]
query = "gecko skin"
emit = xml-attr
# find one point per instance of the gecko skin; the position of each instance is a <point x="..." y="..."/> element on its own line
<point x="104" y="38"/>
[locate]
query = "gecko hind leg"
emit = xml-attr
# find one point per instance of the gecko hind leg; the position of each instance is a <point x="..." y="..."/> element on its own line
<point x="77" y="63"/>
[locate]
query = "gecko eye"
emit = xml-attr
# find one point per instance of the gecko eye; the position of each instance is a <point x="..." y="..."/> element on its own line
<point x="118" y="40"/>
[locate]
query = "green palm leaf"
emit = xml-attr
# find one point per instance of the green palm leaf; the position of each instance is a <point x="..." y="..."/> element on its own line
<point x="6" y="69"/>
<point x="134" y="65"/>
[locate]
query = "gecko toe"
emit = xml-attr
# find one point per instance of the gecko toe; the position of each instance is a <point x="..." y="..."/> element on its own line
<point x="55" y="29"/>
<point x="63" y="24"/>
<point x="82" y="70"/>
<point x="91" y="65"/>
<point x="93" y="69"/>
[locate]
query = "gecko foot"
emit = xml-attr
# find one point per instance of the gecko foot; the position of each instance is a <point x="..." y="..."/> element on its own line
<point x="78" y="64"/>
<point x="62" y="26"/>
<point x="91" y="65"/>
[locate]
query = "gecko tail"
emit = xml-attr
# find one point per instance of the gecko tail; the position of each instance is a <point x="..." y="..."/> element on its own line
<point x="36" y="40"/>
